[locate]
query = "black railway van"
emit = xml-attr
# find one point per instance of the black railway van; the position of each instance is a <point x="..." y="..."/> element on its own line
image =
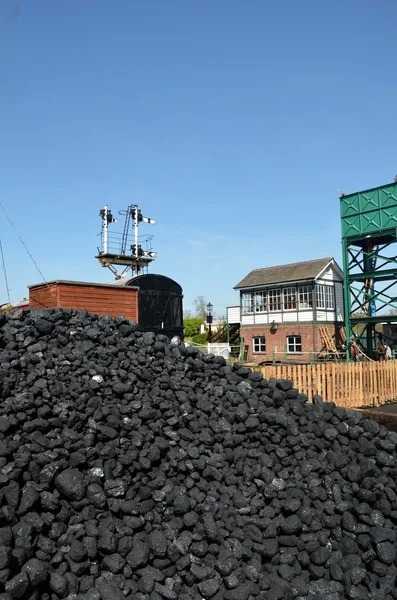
<point x="159" y="304"/>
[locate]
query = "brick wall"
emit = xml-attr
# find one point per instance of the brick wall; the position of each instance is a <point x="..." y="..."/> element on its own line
<point x="277" y="340"/>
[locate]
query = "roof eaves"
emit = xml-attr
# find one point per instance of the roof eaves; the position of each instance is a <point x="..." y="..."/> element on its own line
<point x="80" y="283"/>
<point x="275" y="284"/>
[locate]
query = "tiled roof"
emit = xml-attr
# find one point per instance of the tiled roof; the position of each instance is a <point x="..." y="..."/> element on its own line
<point x="301" y="271"/>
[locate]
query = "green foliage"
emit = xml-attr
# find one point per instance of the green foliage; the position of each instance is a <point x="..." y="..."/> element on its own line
<point x="200" y="338"/>
<point x="192" y="326"/>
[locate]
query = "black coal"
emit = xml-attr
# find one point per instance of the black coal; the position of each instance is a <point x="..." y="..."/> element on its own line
<point x="134" y="468"/>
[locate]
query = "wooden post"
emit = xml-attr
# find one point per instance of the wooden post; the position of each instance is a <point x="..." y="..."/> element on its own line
<point x="350" y="385"/>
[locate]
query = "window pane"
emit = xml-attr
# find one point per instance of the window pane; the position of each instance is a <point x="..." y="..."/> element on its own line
<point x="289" y="295"/>
<point x="320" y="296"/>
<point x="274" y="297"/>
<point x="329" y="297"/>
<point x="259" y="344"/>
<point x="260" y="301"/>
<point x="247" y="302"/>
<point x="305" y="296"/>
<point x="294" y="343"/>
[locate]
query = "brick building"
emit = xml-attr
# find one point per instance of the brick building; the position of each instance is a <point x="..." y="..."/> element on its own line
<point x="285" y="311"/>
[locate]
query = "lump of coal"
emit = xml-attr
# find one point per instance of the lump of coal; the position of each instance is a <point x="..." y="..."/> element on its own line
<point x="132" y="467"/>
<point x="71" y="484"/>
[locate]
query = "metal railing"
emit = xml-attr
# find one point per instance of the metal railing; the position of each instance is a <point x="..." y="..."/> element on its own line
<point x="220" y="349"/>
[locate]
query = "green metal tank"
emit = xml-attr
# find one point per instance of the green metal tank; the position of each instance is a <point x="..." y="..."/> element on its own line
<point x="369" y="232"/>
<point x="369" y="212"/>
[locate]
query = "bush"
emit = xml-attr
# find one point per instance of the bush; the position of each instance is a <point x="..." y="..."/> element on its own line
<point x="200" y="338"/>
<point x="192" y="327"/>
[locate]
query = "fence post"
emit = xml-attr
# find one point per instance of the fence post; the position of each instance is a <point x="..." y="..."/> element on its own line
<point x="241" y="356"/>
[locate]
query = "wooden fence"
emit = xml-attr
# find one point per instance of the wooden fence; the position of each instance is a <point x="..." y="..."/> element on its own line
<point x="350" y="385"/>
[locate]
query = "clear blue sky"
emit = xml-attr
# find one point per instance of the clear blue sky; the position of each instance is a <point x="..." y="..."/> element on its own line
<point x="231" y="122"/>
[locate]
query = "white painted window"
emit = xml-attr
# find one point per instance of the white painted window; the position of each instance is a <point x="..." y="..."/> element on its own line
<point x="305" y="296"/>
<point x="260" y="301"/>
<point x="329" y="297"/>
<point x="259" y="344"/>
<point x="325" y="297"/>
<point x="289" y="295"/>
<point x="247" y="303"/>
<point x="320" y="296"/>
<point x="294" y="343"/>
<point x="274" y="297"/>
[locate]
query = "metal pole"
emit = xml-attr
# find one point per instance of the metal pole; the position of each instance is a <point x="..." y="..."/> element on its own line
<point x="105" y="230"/>
<point x="136" y="238"/>
<point x="209" y="333"/>
<point x="314" y="308"/>
<point x="368" y="286"/>
<point x="346" y="297"/>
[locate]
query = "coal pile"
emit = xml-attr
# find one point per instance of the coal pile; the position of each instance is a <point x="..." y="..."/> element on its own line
<point x="134" y="468"/>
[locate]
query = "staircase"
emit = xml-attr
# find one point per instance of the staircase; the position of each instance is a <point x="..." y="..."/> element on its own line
<point x="220" y="336"/>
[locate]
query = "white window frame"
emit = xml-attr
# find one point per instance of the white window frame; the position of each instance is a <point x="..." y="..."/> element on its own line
<point x="305" y="295"/>
<point x="274" y="300"/>
<point x="259" y="346"/>
<point x="247" y="303"/>
<point x="289" y="298"/>
<point x="320" y="297"/>
<point x="260" y="301"/>
<point x="294" y="346"/>
<point x="329" y="297"/>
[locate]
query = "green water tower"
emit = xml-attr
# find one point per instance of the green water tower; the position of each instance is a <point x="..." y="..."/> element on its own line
<point x="369" y="236"/>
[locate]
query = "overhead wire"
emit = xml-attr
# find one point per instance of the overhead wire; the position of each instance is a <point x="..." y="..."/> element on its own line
<point x="5" y="273"/>
<point x="23" y="243"/>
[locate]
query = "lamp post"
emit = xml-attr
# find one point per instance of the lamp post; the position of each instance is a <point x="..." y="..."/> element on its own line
<point x="209" y="321"/>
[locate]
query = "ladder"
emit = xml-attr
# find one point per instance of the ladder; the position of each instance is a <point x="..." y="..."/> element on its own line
<point x="327" y="341"/>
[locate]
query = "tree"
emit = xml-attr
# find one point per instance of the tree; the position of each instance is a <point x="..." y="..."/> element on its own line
<point x="200" y="308"/>
<point x="192" y="326"/>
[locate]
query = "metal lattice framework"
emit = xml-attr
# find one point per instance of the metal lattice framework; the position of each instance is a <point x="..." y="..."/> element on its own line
<point x="125" y="250"/>
<point x="369" y="237"/>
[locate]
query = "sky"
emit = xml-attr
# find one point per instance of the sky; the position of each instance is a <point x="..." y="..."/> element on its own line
<point x="231" y="122"/>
